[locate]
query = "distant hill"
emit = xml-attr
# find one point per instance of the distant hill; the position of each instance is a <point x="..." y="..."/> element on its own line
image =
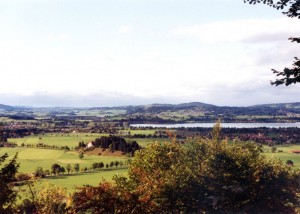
<point x="265" y="109"/>
<point x="280" y="105"/>
<point x="6" y="107"/>
<point x="184" y="111"/>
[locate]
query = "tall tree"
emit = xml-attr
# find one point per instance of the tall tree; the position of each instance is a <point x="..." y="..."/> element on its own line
<point x="291" y="9"/>
<point x="7" y="175"/>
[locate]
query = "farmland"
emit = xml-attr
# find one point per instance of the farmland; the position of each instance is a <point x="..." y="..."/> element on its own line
<point x="31" y="158"/>
<point x="43" y="137"/>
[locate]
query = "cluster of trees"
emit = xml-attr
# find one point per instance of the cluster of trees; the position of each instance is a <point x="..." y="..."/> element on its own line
<point x="56" y="169"/>
<point x="268" y="136"/>
<point x="45" y="146"/>
<point x="101" y="165"/>
<point x="6" y="144"/>
<point x="116" y="143"/>
<point x="200" y="176"/>
<point x="3" y="137"/>
<point x="204" y="175"/>
<point x="19" y="132"/>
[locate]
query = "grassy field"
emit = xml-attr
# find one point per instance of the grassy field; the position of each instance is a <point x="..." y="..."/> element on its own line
<point x="285" y="155"/>
<point x="54" y="139"/>
<point x="88" y="178"/>
<point x="31" y="158"/>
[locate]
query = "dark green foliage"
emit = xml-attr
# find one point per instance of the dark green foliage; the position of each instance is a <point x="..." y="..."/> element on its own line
<point x="200" y="176"/>
<point x="289" y="163"/>
<point x="291" y="75"/>
<point x="68" y="168"/>
<point x="116" y="143"/>
<point x="7" y="176"/>
<point x="76" y="167"/>
<point x="3" y="137"/>
<point x="39" y="172"/>
<point x="293" y="6"/>
<point x="81" y="155"/>
<point x="55" y="169"/>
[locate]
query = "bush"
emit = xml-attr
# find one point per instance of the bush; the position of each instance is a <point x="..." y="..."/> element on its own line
<point x="200" y="176"/>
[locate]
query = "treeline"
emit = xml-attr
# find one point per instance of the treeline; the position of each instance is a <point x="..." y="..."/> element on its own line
<point x="20" y="132"/>
<point x="202" y="176"/>
<point x="116" y="143"/>
<point x="3" y="137"/>
<point x="269" y="136"/>
<point x="45" y="146"/>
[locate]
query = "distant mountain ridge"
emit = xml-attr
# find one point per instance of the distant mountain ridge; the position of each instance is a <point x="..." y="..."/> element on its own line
<point x="157" y="108"/>
<point x="6" y="107"/>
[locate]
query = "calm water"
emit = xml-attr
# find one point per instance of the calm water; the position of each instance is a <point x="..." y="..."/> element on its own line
<point x="224" y="125"/>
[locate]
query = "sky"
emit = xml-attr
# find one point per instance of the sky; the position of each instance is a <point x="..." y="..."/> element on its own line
<point x="88" y="53"/>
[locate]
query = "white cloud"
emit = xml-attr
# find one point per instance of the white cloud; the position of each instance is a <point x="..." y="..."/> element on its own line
<point x="58" y="37"/>
<point x="246" y="31"/>
<point x="126" y="29"/>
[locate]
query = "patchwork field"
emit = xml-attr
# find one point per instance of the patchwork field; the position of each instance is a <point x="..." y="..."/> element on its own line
<point x="31" y="158"/>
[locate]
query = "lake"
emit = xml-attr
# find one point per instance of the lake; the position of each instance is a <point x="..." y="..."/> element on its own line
<point x="224" y="125"/>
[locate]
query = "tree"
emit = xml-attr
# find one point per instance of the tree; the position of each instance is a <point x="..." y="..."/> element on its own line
<point x="62" y="170"/>
<point x="101" y="165"/>
<point x="95" y="165"/>
<point x="289" y="163"/>
<point x="7" y="175"/>
<point x="44" y="198"/>
<point x="76" y="167"/>
<point x="39" y="172"/>
<point x="200" y="176"/>
<point x="112" y="163"/>
<point x="81" y="155"/>
<point x="68" y="168"/>
<point x="288" y="75"/>
<point x="55" y="169"/>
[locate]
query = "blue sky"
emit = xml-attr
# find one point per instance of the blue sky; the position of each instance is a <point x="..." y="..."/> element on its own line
<point x="121" y="52"/>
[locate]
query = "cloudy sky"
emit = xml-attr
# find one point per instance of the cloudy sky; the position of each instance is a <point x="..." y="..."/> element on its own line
<point x="120" y="52"/>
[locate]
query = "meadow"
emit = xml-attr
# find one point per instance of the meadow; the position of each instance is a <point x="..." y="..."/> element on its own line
<point x="284" y="153"/>
<point x="57" y="139"/>
<point x="31" y="158"/>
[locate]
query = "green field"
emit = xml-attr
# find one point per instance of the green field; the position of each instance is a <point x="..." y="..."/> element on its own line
<point x="31" y="158"/>
<point x="285" y="155"/>
<point x="55" y="139"/>
<point x="88" y="178"/>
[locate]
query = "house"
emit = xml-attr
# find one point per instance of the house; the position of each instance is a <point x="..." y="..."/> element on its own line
<point x="90" y="145"/>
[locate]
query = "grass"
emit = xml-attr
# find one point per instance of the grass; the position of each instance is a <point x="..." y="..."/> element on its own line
<point x="31" y="158"/>
<point x="93" y="178"/>
<point x="57" y="139"/>
<point x="285" y="155"/>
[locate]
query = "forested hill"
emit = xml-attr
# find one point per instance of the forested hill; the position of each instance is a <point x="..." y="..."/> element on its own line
<point x="266" y="109"/>
<point x="168" y="113"/>
<point x="6" y="107"/>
